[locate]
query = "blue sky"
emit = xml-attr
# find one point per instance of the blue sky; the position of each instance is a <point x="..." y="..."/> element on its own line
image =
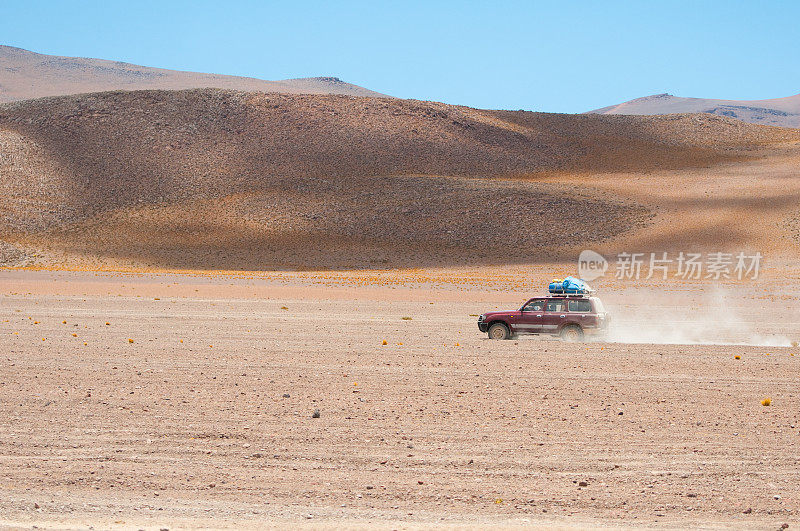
<point x="542" y="56"/>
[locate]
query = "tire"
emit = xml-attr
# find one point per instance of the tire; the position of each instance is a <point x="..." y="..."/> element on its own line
<point x="499" y="331"/>
<point x="572" y="334"/>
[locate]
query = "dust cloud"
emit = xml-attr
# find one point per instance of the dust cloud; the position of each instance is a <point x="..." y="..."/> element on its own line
<point x="712" y="317"/>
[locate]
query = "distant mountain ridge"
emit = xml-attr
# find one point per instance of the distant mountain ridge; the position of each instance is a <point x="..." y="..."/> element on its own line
<point x="27" y="75"/>
<point x="781" y="112"/>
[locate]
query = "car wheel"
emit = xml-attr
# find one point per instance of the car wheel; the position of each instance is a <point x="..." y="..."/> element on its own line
<point x="572" y="333"/>
<point x="499" y="331"/>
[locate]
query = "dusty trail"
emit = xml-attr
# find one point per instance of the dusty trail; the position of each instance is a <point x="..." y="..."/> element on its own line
<point x="189" y="425"/>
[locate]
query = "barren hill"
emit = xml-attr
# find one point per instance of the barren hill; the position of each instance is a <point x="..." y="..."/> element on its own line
<point x="217" y="179"/>
<point x="25" y="75"/>
<point x="783" y="112"/>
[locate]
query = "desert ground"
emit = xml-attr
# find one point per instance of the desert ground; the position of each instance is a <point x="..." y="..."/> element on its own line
<point x="156" y="400"/>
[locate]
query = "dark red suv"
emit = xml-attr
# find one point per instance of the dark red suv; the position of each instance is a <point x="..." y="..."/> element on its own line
<point x="570" y="317"/>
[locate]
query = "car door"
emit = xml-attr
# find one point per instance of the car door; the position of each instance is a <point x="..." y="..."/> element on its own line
<point x="530" y="321"/>
<point x="554" y="315"/>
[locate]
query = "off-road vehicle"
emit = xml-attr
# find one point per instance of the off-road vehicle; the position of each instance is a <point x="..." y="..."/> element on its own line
<point x="570" y="317"/>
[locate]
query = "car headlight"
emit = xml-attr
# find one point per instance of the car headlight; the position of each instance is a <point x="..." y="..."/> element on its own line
<point x="482" y="317"/>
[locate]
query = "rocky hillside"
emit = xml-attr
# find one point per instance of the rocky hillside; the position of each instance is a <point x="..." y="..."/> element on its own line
<point x="232" y="180"/>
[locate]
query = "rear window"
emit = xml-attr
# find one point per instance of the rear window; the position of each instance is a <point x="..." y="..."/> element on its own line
<point x="580" y="305"/>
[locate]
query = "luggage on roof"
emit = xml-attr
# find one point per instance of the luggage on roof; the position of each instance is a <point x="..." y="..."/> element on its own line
<point x="569" y="286"/>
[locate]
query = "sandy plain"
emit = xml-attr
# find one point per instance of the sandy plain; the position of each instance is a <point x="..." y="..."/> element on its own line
<point x="205" y="418"/>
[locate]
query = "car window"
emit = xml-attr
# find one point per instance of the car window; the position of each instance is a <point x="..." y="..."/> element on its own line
<point x="580" y="305"/>
<point x="536" y="305"/>
<point x="555" y="305"/>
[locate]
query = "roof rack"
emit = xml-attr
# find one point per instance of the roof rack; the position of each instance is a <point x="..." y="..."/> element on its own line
<point x="587" y="293"/>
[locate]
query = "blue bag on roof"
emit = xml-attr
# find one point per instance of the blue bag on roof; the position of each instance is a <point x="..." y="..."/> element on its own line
<point x="569" y="286"/>
<point x="555" y="286"/>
